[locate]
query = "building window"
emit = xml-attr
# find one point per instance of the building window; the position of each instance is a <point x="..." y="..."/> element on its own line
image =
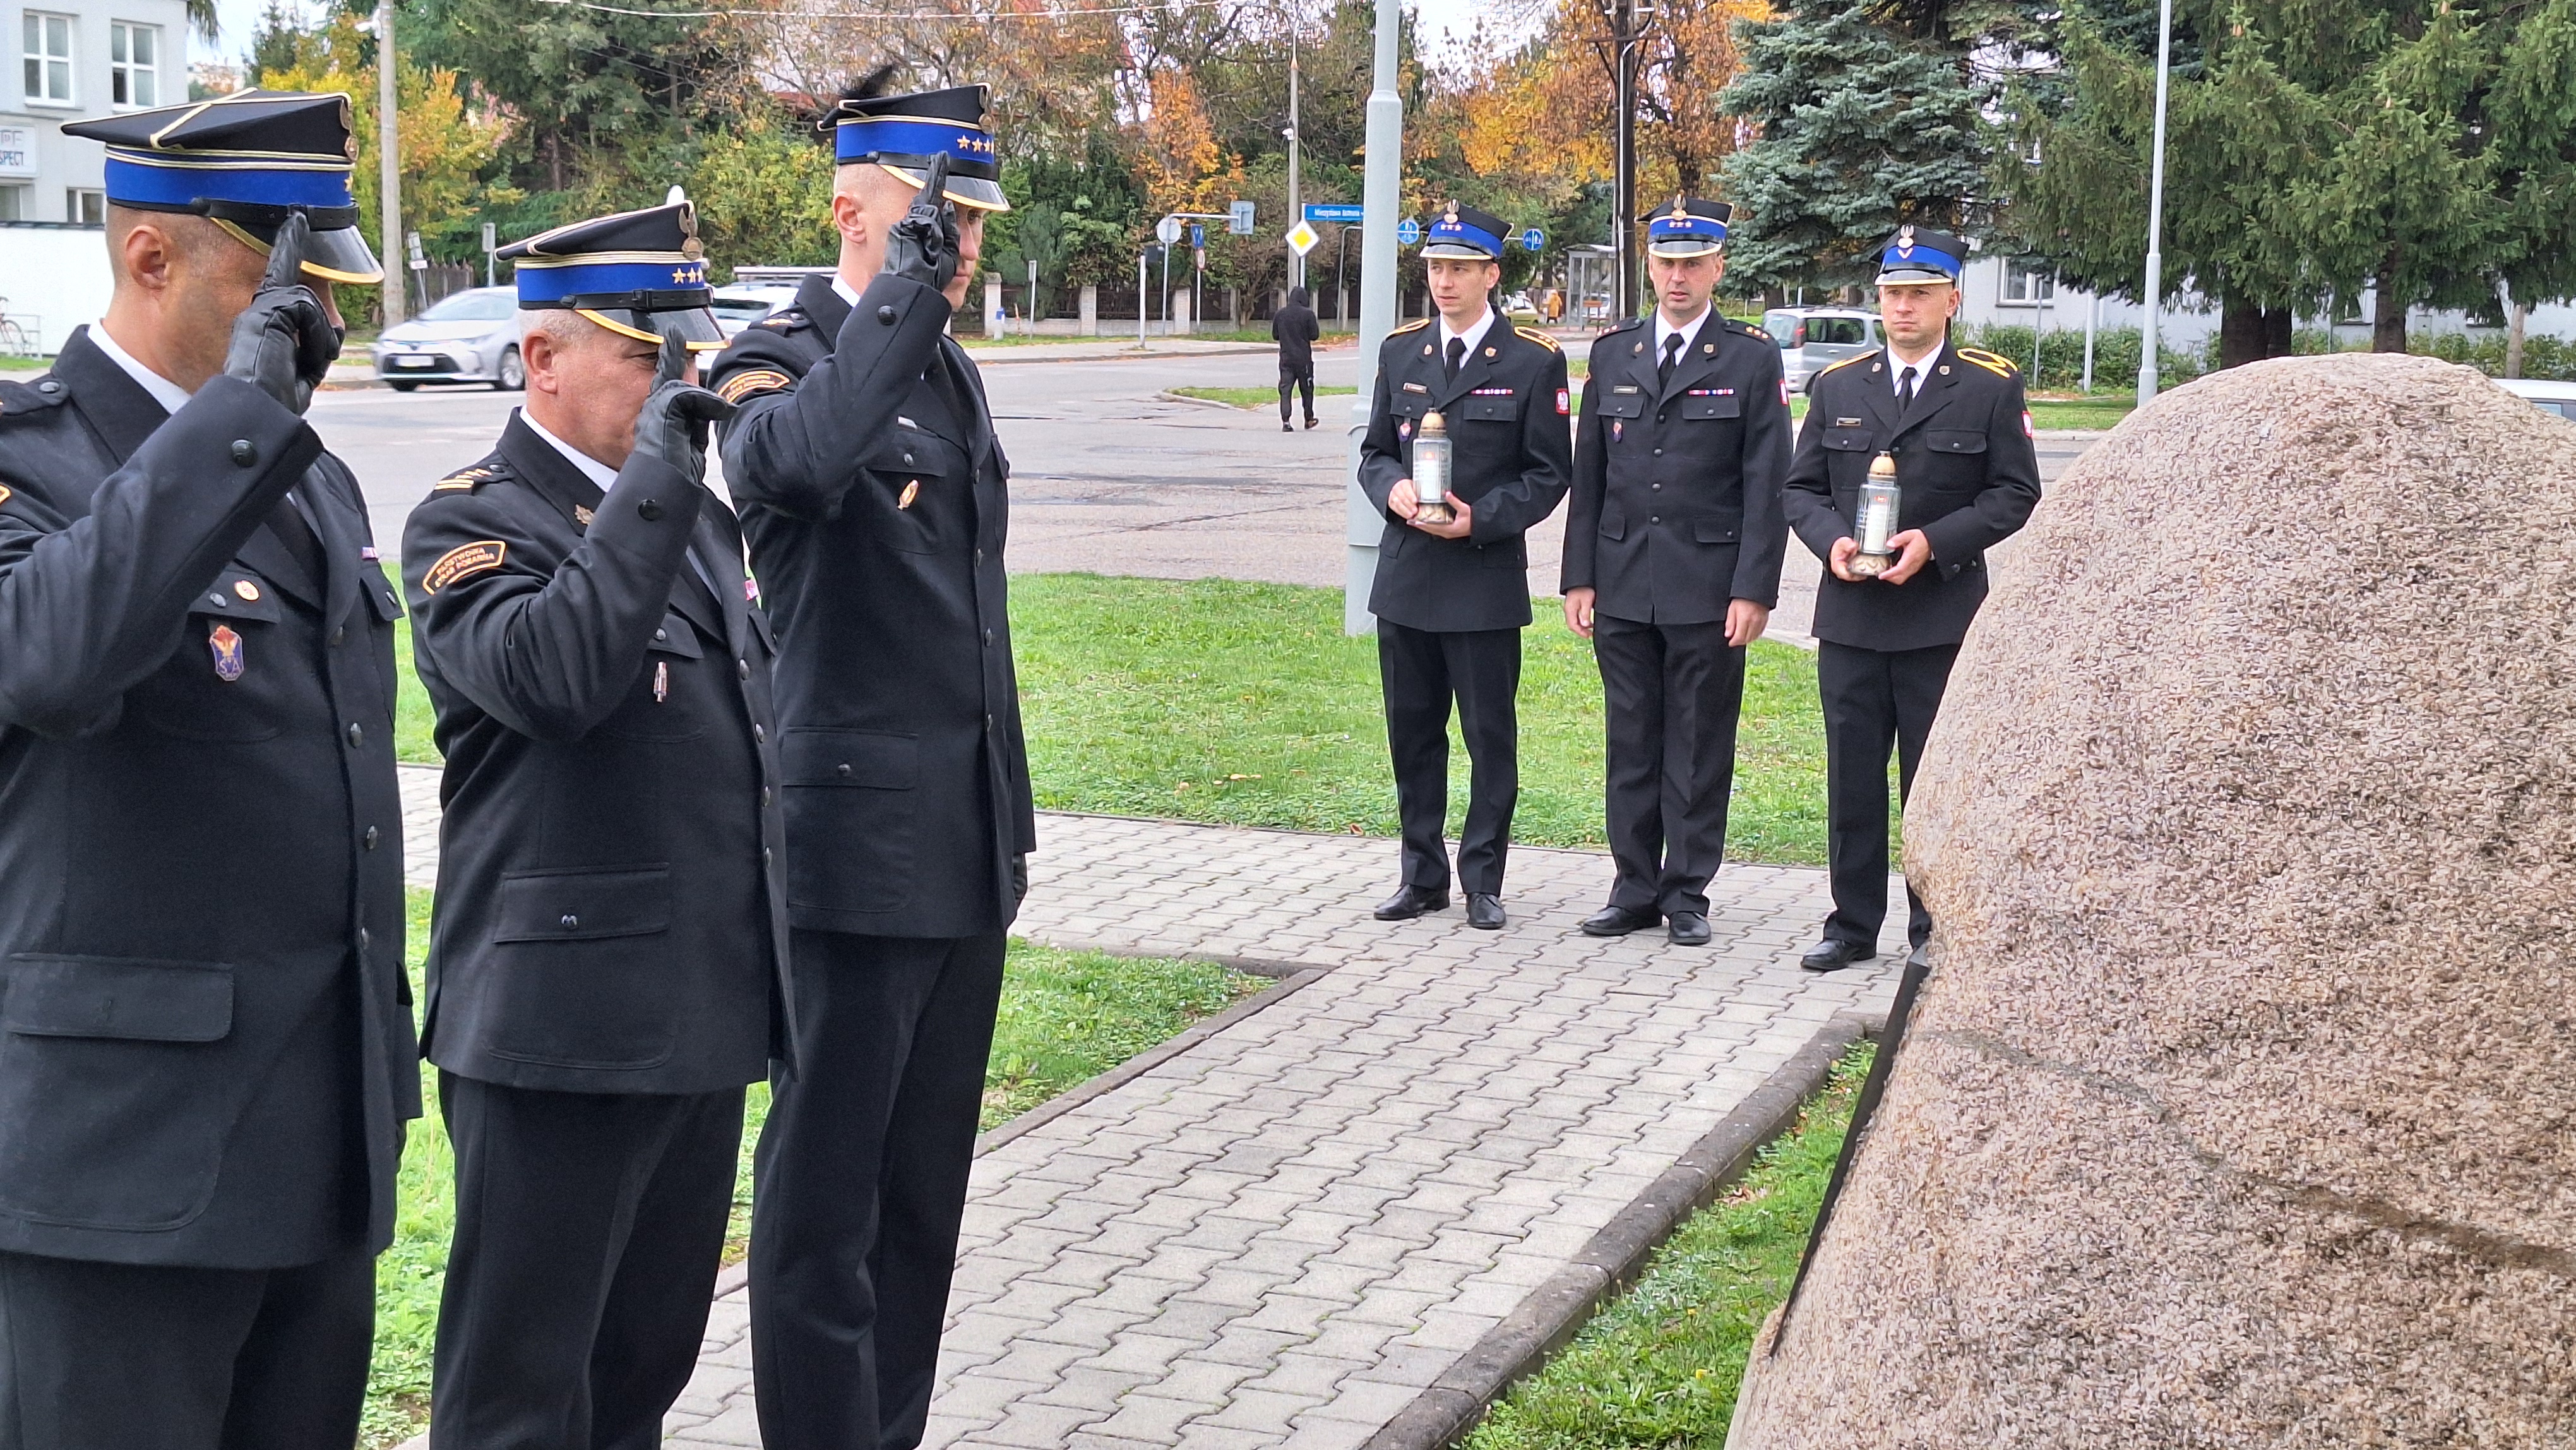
<point x="2028" y="281"/>
<point x="84" y="207"/>
<point x="14" y="204"/>
<point x="46" y="45"/>
<point x="134" y="64"/>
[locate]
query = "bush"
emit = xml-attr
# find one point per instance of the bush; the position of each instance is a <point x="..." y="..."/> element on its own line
<point x="2061" y="356"/>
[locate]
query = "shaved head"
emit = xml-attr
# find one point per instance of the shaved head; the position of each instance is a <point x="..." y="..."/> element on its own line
<point x="180" y="282"/>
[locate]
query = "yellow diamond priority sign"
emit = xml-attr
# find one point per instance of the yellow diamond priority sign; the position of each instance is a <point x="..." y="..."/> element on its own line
<point x="1303" y="237"/>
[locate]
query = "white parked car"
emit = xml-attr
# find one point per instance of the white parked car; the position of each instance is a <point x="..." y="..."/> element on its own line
<point x="2548" y="395"/>
<point x="739" y="306"/>
<point x="466" y="338"/>
<point x="1813" y="339"/>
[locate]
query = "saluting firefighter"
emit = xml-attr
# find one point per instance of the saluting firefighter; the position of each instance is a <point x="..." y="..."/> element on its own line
<point x="1967" y="478"/>
<point x="206" y="1046"/>
<point x="1451" y="597"/>
<point x="875" y="497"/>
<point x="1673" y="544"/>
<point x="609" y="938"/>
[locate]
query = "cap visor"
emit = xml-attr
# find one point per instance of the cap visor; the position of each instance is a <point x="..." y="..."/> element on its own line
<point x="975" y="191"/>
<point x="695" y="326"/>
<point x="341" y="255"/>
<point x="1694" y="247"/>
<point x="1453" y="249"/>
<point x="1914" y="277"/>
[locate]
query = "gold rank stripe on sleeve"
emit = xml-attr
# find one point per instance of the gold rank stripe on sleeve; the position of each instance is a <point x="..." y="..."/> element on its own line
<point x="1416" y="325"/>
<point x="1541" y="338"/>
<point x="1994" y="363"/>
<point x="758" y="380"/>
<point x="463" y="562"/>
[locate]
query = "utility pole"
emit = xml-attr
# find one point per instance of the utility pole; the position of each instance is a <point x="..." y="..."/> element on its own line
<point x="2156" y="213"/>
<point x="1626" y="19"/>
<point x="389" y="169"/>
<point x="1379" y="196"/>
<point x="1296" y="212"/>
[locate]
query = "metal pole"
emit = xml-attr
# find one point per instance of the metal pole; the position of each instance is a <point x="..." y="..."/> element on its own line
<point x="2156" y="210"/>
<point x="1167" y="288"/>
<point x="389" y="167"/>
<point x="1623" y="204"/>
<point x="1363" y="524"/>
<point x="1341" y="288"/>
<point x="2092" y="323"/>
<point x="1296" y="211"/>
<point x="1142" y="297"/>
<point x="1030" y="312"/>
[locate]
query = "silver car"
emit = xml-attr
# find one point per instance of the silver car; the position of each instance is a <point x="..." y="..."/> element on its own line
<point x="466" y="338"/>
<point x="1813" y="339"/>
<point x="739" y="306"/>
<point x="2556" y="399"/>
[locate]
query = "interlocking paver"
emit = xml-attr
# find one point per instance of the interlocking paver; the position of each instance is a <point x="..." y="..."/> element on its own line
<point x="1274" y="1239"/>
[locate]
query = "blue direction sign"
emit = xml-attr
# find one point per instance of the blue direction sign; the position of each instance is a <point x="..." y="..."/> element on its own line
<point x="1533" y="239"/>
<point x="1408" y="231"/>
<point x="1348" y="213"/>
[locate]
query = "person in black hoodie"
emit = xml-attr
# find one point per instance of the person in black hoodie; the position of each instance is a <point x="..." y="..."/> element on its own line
<point x="1295" y="329"/>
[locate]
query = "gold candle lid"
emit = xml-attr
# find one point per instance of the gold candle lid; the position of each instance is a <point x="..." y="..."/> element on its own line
<point x="1883" y="466"/>
<point x="1434" y="423"/>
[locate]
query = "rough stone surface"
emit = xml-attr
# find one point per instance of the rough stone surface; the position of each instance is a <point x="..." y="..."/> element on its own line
<point x="2240" y="1108"/>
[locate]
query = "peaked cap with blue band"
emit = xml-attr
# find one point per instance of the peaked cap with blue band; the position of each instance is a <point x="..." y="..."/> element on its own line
<point x="638" y="273"/>
<point x="1917" y="257"/>
<point x="902" y="133"/>
<point x="1687" y="227"/>
<point x="247" y="161"/>
<point x="1463" y="231"/>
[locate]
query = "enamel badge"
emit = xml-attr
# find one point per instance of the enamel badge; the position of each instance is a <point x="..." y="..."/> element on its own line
<point x="1404" y="429"/>
<point x="226" y="646"/>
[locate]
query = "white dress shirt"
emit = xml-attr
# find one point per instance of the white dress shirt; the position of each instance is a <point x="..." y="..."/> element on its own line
<point x="1689" y="332"/>
<point x="1472" y="336"/>
<point x="1896" y="367"/>
<point x="168" y="394"/>
<point x="591" y="468"/>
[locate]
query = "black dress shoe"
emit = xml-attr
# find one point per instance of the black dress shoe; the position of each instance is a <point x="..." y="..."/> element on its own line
<point x="1484" y="911"/>
<point x="1689" y="929"/>
<point x="1832" y="954"/>
<point x="1411" y="901"/>
<point x="1284" y="428"/>
<point x="1618" y="921"/>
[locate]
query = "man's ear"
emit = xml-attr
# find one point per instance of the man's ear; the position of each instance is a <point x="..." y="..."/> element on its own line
<point x="849" y="218"/>
<point x="148" y="255"/>
<point x="537" y="353"/>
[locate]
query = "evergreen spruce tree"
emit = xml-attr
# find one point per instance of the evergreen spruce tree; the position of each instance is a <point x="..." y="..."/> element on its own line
<point x="1863" y="128"/>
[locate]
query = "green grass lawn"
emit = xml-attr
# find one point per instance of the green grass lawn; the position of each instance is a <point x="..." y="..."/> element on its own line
<point x="1658" y="1367"/>
<point x="1066" y="1017"/>
<point x="2096" y="414"/>
<point x="1251" y="397"/>
<point x="1245" y="704"/>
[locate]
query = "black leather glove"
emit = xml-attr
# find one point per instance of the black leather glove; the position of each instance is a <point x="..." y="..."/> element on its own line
<point x="673" y="425"/>
<point x="923" y="246"/>
<point x="1019" y="879"/>
<point x="283" y="341"/>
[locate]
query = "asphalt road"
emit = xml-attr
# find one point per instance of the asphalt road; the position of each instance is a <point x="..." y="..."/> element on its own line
<point x="1106" y="476"/>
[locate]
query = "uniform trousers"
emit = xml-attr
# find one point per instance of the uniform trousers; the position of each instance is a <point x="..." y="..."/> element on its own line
<point x="1873" y="699"/>
<point x="1673" y="692"/>
<point x="98" y="1356"/>
<point x="1294" y="377"/>
<point x="1422" y="671"/>
<point x="589" y="1229"/>
<point x="861" y="1182"/>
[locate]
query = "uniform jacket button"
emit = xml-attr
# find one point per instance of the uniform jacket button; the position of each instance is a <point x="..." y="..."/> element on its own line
<point x="842" y="770"/>
<point x="356" y="735"/>
<point x="764" y="796"/>
<point x="661" y="634"/>
<point x="339" y="634"/>
<point x="49" y="386"/>
<point x="363" y="938"/>
<point x="571" y="922"/>
<point x="742" y="668"/>
<point x="907" y="458"/>
<point x="245" y="452"/>
<point x="1654" y="518"/>
<point x="1659" y="453"/>
<point x="759" y="735"/>
<point x="650" y="509"/>
<point x="370" y="838"/>
<point x="764" y="855"/>
<point x="886" y="316"/>
<point x="988" y="636"/>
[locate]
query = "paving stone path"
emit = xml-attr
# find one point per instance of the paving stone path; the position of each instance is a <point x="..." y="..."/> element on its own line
<point x="1283" y="1234"/>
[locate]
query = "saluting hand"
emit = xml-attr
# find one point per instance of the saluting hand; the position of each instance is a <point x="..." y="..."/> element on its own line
<point x="673" y="425"/>
<point x="923" y="246"/>
<point x="284" y="342"/>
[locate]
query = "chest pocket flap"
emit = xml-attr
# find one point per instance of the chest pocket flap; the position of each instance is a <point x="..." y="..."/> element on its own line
<point x="239" y="594"/>
<point x="1726" y="407"/>
<point x="914" y="452"/>
<point x="1848" y="440"/>
<point x="1615" y="405"/>
<point x="1954" y="440"/>
<point x="382" y="595"/>
<point x="1491" y="410"/>
<point x="676" y="636"/>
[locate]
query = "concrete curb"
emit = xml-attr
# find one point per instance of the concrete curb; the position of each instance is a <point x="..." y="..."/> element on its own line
<point x="1546" y="1320"/>
<point x="1168" y="396"/>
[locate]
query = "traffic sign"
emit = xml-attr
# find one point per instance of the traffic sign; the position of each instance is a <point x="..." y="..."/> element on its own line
<point x="1408" y="231"/>
<point x="1303" y="237"/>
<point x="1168" y="230"/>
<point x="1533" y="239"/>
<point x="1239" y="218"/>
<point x="1198" y="236"/>
<point x="1348" y="213"/>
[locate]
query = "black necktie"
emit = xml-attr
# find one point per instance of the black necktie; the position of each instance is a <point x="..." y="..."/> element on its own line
<point x="1672" y="357"/>
<point x="1904" y="390"/>
<point x="1457" y="355"/>
<point x="287" y="522"/>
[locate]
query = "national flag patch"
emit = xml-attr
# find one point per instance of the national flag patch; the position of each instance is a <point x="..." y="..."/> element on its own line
<point x="1564" y="402"/>
<point x="1784" y="392"/>
<point x="2027" y="431"/>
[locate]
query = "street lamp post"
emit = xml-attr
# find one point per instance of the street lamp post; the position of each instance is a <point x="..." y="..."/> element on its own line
<point x="389" y="165"/>
<point x="1378" y="195"/>
<point x="2156" y="210"/>
<point x="1296" y="259"/>
<point x="1624" y="20"/>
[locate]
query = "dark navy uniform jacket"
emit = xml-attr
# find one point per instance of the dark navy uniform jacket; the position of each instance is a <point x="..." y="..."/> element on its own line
<point x="611" y="912"/>
<point x="205" y="1039"/>
<point x="1966" y="475"/>
<point x="1511" y="451"/>
<point x="876" y="500"/>
<point x="1676" y="504"/>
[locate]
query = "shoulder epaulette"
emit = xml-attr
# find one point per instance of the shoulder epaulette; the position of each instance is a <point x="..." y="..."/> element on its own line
<point x="1623" y="326"/>
<point x="464" y="480"/>
<point x="743" y="384"/>
<point x="1754" y="331"/>
<point x="787" y="320"/>
<point x="1995" y="363"/>
<point x="1541" y="338"/>
<point x="1847" y="362"/>
<point x="1416" y="325"/>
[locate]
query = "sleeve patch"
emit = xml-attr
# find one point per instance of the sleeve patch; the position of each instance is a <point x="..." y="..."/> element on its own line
<point x="1562" y="402"/>
<point x="1784" y="392"/>
<point x="463" y="562"/>
<point x="2027" y="431"/>
<point x="758" y="380"/>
